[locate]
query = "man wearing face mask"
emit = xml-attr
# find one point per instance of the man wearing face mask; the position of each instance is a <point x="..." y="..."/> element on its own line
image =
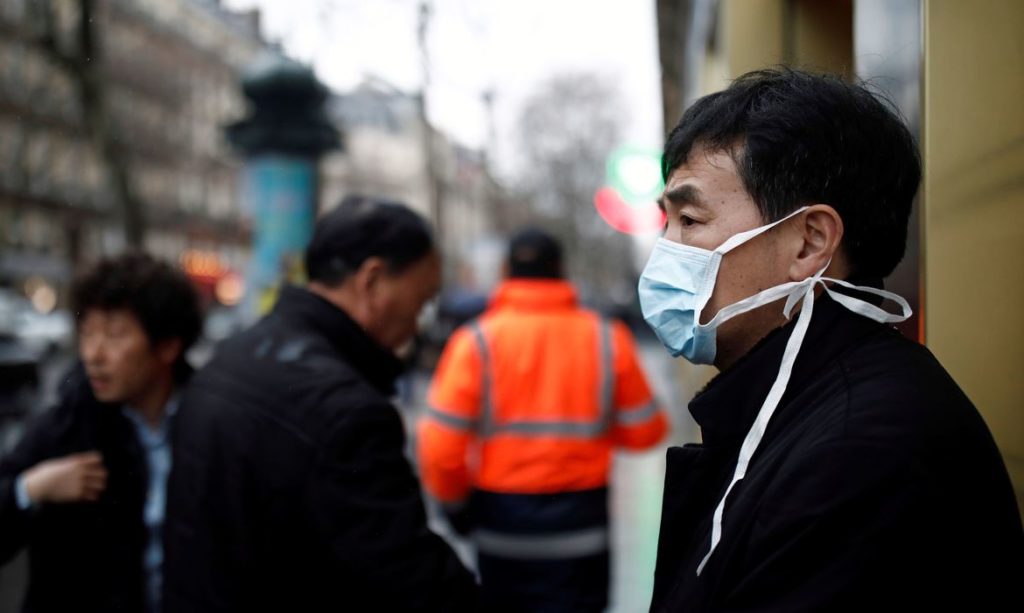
<point x="841" y="467"/>
<point x="290" y="490"/>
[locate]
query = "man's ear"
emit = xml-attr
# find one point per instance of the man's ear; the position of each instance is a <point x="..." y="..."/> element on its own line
<point x="820" y="232"/>
<point x="169" y="350"/>
<point x="355" y="294"/>
<point x="369" y="274"/>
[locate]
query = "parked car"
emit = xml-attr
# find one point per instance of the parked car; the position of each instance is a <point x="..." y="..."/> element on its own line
<point x="45" y="333"/>
<point x="41" y="333"/>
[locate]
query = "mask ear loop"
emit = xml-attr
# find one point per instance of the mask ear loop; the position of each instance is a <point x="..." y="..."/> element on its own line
<point x="738" y="239"/>
<point x="747" y="304"/>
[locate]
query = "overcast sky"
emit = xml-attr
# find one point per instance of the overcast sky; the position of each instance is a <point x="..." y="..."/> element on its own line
<point x="508" y="46"/>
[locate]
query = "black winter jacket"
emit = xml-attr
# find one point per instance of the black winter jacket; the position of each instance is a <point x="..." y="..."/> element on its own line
<point x="88" y="556"/>
<point x="290" y="491"/>
<point x="876" y="487"/>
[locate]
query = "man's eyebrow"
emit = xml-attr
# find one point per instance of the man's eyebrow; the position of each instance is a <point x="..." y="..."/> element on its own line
<point x="683" y="194"/>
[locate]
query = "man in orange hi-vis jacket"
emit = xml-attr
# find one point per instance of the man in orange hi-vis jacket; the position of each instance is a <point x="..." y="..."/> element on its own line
<point x="526" y="406"/>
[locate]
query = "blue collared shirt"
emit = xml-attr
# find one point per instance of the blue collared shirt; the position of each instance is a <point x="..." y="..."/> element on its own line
<point x="156" y="446"/>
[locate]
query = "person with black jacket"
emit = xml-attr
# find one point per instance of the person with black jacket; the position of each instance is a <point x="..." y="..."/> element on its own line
<point x="841" y="468"/>
<point x="84" y="488"/>
<point x="290" y="490"/>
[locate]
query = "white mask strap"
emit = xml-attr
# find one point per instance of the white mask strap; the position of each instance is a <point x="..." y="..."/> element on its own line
<point x="738" y="239"/>
<point x="771" y="401"/>
<point x="791" y="289"/>
<point x="867" y="309"/>
<point x="803" y="290"/>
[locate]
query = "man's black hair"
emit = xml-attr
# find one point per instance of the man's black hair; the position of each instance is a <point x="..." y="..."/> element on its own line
<point x="362" y="227"/>
<point x="159" y="295"/>
<point x="798" y="139"/>
<point x="534" y="254"/>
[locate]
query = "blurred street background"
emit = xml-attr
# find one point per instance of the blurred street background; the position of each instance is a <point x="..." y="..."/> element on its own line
<point x="213" y="132"/>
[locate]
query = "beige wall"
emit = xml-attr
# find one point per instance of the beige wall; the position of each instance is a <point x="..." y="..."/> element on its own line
<point x="974" y="208"/>
<point x="751" y="34"/>
<point x="820" y="35"/>
<point x="810" y="34"/>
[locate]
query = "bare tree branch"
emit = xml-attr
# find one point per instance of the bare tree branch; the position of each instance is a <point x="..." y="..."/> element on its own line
<point x="568" y="127"/>
<point x="83" y="63"/>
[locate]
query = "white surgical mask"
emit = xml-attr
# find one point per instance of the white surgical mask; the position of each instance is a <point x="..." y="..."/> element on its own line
<point x="675" y="287"/>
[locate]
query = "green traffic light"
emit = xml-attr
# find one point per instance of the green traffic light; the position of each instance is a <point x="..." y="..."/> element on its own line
<point x="635" y="173"/>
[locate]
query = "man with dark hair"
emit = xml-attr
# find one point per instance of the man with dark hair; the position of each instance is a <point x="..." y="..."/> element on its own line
<point x="84" y="489"/>
<point x="290" y="490"/>
<point x="841" y="468"/>
<point x="526" y="407"/>
<point x="533" y="254"/>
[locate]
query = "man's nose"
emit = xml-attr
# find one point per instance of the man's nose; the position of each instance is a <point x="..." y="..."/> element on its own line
<point x="91" y="351"/>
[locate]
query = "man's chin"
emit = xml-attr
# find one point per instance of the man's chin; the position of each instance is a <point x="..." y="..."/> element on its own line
<point x="105" y="395"/>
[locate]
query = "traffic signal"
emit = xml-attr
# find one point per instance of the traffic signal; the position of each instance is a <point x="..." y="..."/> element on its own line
<point x="630" y="202"/>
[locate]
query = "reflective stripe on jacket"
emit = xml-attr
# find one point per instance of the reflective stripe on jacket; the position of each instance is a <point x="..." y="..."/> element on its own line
<point x="533" y="397"/>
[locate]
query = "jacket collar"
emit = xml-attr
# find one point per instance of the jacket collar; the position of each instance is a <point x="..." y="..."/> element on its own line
<point x="534" y="294"/>
<point x="375" y="363"/>
<point x="727" y="407"/>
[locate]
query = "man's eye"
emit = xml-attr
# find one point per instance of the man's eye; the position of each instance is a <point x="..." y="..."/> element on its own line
<point x="687" y="221"/>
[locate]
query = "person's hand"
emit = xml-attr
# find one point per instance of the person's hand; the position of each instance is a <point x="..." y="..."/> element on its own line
<point x="80" y="477"/>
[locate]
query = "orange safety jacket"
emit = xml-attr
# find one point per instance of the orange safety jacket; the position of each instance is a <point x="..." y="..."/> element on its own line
<point x="532" y="398"/>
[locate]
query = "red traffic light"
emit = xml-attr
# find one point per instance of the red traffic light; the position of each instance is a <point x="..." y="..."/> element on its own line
<point x="619" y="214"/>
